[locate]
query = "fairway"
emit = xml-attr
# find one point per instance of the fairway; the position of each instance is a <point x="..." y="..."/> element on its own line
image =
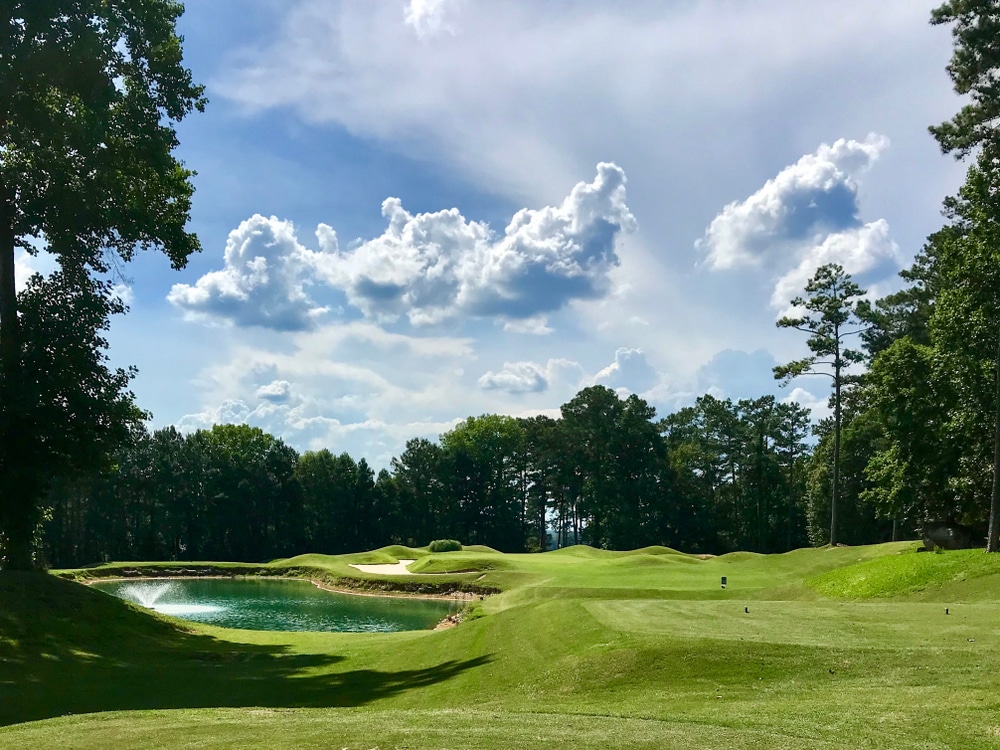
<point x="582" y="648"/>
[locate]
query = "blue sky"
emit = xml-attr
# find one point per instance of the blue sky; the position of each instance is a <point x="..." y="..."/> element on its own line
<point x="413" y="212"/>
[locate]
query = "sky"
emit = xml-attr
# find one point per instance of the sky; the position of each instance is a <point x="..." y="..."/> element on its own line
<point x="412" y="212"/>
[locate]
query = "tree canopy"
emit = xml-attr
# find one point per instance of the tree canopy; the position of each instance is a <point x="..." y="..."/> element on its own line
<point x="975" y="72"/>
<point x="91" y="92"/>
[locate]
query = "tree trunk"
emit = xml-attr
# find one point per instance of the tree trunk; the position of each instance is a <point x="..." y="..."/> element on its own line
<point x="993" y="534"/>
<point x="836" y="455"/>
<point x="16" y="501"/>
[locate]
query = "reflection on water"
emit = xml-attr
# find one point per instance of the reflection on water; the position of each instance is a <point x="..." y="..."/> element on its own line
<point x="261" y="604"/>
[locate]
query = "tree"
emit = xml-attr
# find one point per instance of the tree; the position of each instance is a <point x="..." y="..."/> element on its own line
<point x="911" y="397"/>
<point x="91" y="92"/>
<point x="255" y="500"/>
<point x="315" y="473"/>
<point x="589" y="420"/>
<point x="421" y="494"/>
<point x="965" y="329"/>
<point x="831" y="302"/>
<point x="485" y="456"/>
<point x="857" y="518"/>
<point x="65" y="382"/>
<point x="543" y="489"/>
<point x="618" y="472"/>
<point x="975" y="71"/>
<point x="792" y="429"/>
<point x="694" y="461"/>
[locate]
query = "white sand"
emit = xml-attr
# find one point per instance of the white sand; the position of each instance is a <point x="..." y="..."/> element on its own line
<point x="399" y="569"/>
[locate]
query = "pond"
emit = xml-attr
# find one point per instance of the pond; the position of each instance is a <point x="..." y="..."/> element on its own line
<point x="268" y="604"/>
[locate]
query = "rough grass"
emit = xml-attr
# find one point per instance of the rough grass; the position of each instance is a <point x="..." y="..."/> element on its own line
<point x="844" y="647"/>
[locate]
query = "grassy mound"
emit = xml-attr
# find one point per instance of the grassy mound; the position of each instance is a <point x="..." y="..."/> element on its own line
<point x="460" y="562"/>
<point x="740" y="556"/>
<point x="657" y="549"/>
<point x="77" y="620"/>
<point x="399" y="552"/>
<point x="909" y="573"/>
<point x="585" y="551"/>
<point x="656" y="560"/>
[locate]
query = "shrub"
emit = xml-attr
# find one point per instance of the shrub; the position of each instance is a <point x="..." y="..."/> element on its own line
<point x="445" y="545"/>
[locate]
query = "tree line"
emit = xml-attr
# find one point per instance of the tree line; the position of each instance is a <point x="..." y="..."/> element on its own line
<point x="714" y="477"/>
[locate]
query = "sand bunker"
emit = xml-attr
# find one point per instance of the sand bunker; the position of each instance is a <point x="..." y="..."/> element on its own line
<point x="399" y="569"/>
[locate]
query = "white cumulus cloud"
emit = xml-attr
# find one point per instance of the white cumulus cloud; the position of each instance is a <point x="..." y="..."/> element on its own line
<point x="805" y="217"/>
<point x="263" y="281"/>
<point x="123" y="292"/>
<point x="537" y="326"/>
<point x="435" y="266"/>
<point x="27" y="265"/>
<point x="818" y="405"/>
<point x="815" y="196"/>
<point x="428" y="267"/>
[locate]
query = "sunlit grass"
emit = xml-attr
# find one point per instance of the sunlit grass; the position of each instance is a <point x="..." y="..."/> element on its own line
<point x="843" y="647"/>
<point x="907" y="574"/>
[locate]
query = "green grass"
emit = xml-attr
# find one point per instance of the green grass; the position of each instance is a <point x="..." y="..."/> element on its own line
<point x="911" y="573"/>
<point x="844" y="647"/>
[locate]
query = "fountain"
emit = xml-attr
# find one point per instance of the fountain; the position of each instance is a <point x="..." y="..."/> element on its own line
<point x="147" y="594"/>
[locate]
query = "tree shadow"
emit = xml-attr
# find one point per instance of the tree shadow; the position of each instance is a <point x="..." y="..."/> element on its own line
<point x="65" y="649"/>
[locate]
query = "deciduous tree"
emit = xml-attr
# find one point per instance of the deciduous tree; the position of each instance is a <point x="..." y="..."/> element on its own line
<point x="975" y="72"/>
<point x="90" y="92"/>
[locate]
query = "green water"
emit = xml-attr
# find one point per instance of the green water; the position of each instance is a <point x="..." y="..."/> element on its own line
<point x="262" y="604"/>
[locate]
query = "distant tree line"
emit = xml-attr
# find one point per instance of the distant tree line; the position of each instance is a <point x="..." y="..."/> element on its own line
<point x="714" y="477"/>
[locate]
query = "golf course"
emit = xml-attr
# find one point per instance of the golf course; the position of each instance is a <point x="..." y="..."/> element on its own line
<point x="857" y="647"/>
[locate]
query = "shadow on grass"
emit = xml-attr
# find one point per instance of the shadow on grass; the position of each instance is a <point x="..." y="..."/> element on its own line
<point x="65" y="649"/>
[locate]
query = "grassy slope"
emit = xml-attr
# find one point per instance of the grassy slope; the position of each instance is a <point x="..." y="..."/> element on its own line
<point x="846" y="647"/>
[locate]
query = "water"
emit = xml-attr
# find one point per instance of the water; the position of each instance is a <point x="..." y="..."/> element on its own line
<point x="263" y="604"/>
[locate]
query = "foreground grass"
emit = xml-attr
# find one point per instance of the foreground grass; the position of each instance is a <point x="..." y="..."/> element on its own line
<point x="846" y="647"/>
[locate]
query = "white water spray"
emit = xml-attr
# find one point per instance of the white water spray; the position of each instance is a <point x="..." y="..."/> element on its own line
<point x="148" y="594"/>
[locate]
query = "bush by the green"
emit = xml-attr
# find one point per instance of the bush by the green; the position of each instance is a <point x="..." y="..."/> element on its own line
<point x="445" y="545"/>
